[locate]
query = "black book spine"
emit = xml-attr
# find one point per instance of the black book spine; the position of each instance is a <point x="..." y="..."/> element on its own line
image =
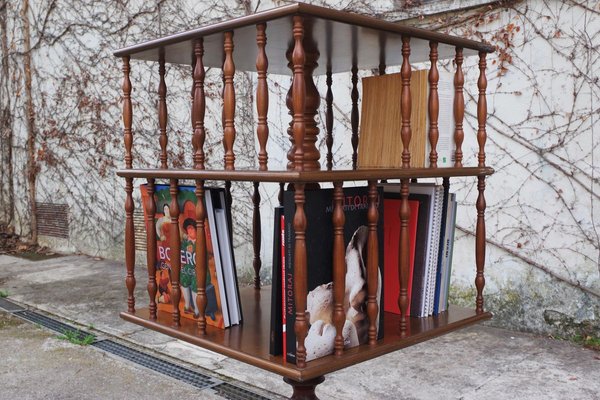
<point x="276" y="337"/>
<point x="419" y="267"/>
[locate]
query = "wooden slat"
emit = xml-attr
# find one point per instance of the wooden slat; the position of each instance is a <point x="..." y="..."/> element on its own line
<point x="339" y="266"/>
<point x="300" y="275"/>
<point x="201" y="259"/>
<point x="373" y="263"/>
<point x="298" y="93"/>
<point x="198" y="106"/>
<point x="405" y="72"/>
<point x="228" y="101"/>
<point x="175" y="243"/>
<point x="434" y="104"/>
<point x="262" y="96"/>
<point x="480" y="205"/>
<point x="151" y="248"/>
<point x="459" y="108"/>
<point x="129" y="206"/>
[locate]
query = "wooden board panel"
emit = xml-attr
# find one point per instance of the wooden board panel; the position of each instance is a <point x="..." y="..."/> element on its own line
<point x="249" y="342"/>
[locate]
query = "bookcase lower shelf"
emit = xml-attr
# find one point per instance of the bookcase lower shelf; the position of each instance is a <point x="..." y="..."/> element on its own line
<point x="249" y="341"/>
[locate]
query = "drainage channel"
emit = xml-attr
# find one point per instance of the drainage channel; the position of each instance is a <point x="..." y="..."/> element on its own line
<point x="196" y="379"/>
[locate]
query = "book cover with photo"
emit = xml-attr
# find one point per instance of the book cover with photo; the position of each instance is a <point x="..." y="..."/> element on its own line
<point x="319" y="250"/>
<point x="187" y="227"/>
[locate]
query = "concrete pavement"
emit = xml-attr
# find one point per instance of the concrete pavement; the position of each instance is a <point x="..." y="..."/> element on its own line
<point x="476" y="363"/>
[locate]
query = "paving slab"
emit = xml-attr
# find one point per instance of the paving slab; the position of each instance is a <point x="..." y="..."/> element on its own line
<point x="475" y="363"/>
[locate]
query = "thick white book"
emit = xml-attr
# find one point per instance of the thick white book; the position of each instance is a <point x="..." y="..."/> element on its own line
<point x="210" y="212"/>
<point x="228" y="266"/>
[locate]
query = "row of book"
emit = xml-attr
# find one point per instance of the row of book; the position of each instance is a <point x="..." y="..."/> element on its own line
<point x="223" y="298"/>
<point x="431" y="231"/>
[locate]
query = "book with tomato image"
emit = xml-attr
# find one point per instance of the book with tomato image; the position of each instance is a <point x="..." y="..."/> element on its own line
<point x="188" y="308"/>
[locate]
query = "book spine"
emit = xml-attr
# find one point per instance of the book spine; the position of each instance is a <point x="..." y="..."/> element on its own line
<point x="283" y="291"/>
<point x="210" y="212"/>
<point x="450" y="251"/>
<point x="435" y="244"/>
<point x="440" y="258"/>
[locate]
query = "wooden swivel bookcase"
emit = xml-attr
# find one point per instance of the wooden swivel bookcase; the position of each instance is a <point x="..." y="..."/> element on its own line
<point x="304" y="40"/>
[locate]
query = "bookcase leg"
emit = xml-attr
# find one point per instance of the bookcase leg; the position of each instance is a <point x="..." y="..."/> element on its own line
<point x="304" y="390"/>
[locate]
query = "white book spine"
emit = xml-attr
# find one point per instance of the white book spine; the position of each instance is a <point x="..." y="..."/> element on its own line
<point x="217" y="256"/>
<point x="435" y="246"/>
<point x="227" y="262"/>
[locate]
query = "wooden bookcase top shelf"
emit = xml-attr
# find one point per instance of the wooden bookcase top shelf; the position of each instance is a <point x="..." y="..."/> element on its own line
<point x="340" y="37"/>
<point x="301" y="40"/>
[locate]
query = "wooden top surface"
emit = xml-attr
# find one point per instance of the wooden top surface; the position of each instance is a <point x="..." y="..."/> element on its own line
<point x="340" y="37"/>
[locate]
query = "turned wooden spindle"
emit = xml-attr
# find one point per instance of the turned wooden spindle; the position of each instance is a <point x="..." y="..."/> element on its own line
<point x="151" y="248"/>
<point x="262" y="96"/>
<point x="175" y="243"/>
<point x="198" y="106"/>
<point x="480" y="228"/>
<point x="339" y="266"/>
<point x="459" y="108"/>
<point x="354" y="115"/>
<point x="434" y="104"/>
<point x="300" y="275"/>
<point x="329" y="120"/>
<point x="298" y="94"/>
<point x="162" y="111"/>
<point x="373" y="263"/>
<point x="404" y="256"/>
<point x="256" y="235"/>
<point x="129" y="206"/>
<point x="228" y="102"/>
<point x="405" y="101"/>
<point x="201" y="257"/>
<point x="304" y="390"/>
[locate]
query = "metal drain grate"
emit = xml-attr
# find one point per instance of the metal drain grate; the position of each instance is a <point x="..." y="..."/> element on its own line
<point x="156" y="364"/>
<point x="9" y="306"/>
<point x="233" y="392"/>
<point x="53" y="324"/>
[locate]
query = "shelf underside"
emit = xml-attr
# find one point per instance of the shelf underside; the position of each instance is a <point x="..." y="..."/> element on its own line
<point x="253" y="175"/>
<point x="249" y="342"/>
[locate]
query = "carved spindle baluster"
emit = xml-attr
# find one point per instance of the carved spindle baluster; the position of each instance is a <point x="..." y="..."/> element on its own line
<point x="329" y="120"/>
<point x="262" y="95"/>
<point x="354" y="115"/>
<point x="404" y="259"/>
<point x="256" y="236"/>
<point x="198" y="106"/>
<point x="405" y="73"/>
<point x="175" y="243"/>
<point x="228" y="102"/>
<point x="434" y="104"/>
<point x="201" y="257"/>
<point x="298" y="93"/>
<point x="300" y="281"/>
<point x="162" y="111"/>
<point x="459" y="108"/>
<point x="480" y="228"/>
<point x="339" y="266"/>
<point x="151" y="248"/>
<point x="129" y="206"/>
<point x="373" y="276"/>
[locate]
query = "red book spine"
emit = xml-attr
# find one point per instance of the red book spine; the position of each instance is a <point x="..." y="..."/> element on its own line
<point x="283" y="300"/>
